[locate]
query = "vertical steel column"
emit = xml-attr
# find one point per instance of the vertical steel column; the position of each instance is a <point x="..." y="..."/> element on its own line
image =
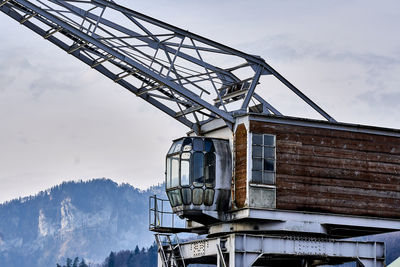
<point x="232" y="250"/>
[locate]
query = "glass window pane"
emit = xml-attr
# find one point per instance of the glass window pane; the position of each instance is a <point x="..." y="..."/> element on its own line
<point x="168" y="173"/>
<point x="197" y="196"/>
<point x="269" y="178"/>
<point x="209" y="146"/>
<point x="257" y="164"/>
<point x="187" y="144"/>
<point x="269" y="165"/>
<point x="171" y="150"/>
<point x="257" y="139"/>
<point x="175" y="197"/>
<point x="257" y="151"/>
<point x="269" y="140"/>
<point x="209" y="172"/>
<point x="256" y="177"/>
<point x="178" y="146"/>
<point x="185" y="172"/>
<point x="209" y="197"/>
<point x="175" y="171"/>
<point x="187" y="148"/>
<point x="171" y="199"/>
<point x="187" y="141"/>
<point x="198" y="144"/>
<point x="198" y="169"/>
<point x="269" y="152"/>
<point x="185" y="156"/>
<point x="186" y="196"/>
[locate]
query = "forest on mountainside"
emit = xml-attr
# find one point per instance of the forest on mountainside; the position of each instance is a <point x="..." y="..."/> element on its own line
<point x="145" y="257"/>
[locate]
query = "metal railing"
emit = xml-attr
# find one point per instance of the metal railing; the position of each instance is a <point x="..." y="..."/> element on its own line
<point x="161" y="216"/>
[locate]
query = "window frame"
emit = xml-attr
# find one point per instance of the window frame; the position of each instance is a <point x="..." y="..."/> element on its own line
<point x="208" y="152"/>
<point x="260" y="156"/>
<point x="189" y="162"/>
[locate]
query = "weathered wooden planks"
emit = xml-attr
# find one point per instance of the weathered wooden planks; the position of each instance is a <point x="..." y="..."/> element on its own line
<point x="240" y="176"/>
<point x="335" y="171"/>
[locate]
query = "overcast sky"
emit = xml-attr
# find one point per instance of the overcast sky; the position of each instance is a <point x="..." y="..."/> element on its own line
<point x="62" y="121"/>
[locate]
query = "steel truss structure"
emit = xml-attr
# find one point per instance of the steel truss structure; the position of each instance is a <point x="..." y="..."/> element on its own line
<point x="242" y="250"/>
<point x="189" y="77"/>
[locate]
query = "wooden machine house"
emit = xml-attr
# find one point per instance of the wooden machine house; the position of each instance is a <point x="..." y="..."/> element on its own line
<point x="315" y="166"/>
<point x="286" y="164"/>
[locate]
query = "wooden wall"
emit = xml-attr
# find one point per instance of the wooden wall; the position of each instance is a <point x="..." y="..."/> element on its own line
<point x="240" y="145"/>
<point x="335" y="171"/>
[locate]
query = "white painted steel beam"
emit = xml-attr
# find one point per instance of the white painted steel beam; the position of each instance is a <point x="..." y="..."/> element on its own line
<point x="323" y="219"/>
<point x="243" y="250"/>
<point x="303" y="222"/>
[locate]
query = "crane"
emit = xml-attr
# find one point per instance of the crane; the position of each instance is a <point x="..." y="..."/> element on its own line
<point x="267" y="189"/>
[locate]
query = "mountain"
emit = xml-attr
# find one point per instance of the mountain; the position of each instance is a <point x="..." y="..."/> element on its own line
<point x="74" y="219"/>
<point x="88" y="220"/>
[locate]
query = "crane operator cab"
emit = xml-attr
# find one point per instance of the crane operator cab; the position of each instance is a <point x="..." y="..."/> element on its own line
<point x="198" y="177"/>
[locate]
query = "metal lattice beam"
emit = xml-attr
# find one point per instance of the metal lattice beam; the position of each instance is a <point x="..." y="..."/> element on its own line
<point x="243" y="250"/>
<point x="189" y="77"/>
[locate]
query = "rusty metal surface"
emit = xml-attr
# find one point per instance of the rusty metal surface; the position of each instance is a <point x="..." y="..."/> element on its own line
<point x="335" y="171"/>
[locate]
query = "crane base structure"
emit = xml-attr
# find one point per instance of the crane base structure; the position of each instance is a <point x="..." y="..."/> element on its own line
<point x="242" y="250"/>
<point x="257" y="237"/>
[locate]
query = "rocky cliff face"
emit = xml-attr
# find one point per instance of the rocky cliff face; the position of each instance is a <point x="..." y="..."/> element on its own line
<point x="85" y="219"/>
